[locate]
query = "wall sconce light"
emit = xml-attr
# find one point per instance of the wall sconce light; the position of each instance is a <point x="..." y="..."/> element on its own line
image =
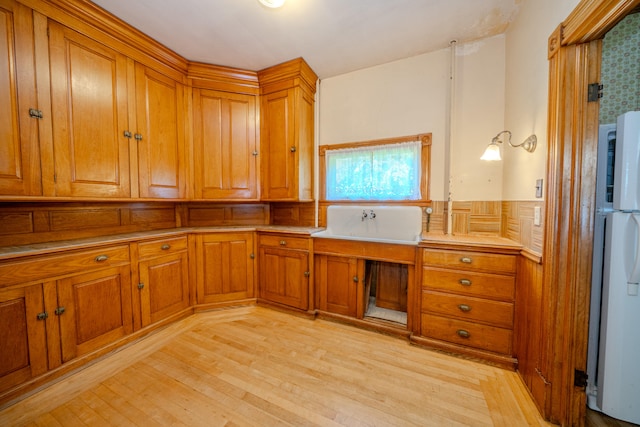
<point x="492" y="152"/>
<point x="274" y="4"/>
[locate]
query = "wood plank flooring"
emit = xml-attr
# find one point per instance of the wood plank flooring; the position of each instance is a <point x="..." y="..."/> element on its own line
<point x="254" y="366"/>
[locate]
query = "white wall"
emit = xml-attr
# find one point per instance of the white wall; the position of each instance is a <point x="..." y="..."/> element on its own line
<point x="527" y="92"/>
<point x="411" y="96"/>
<point x="501" y="83"/>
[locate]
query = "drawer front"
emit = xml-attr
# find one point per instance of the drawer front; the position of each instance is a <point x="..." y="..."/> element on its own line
<point x="469" y="334"/>
<point x="48" y="267"/>
<point x="284" y="241"/>
<point x="478" y="261"/>
<point x="493" y="286"/>
<point x="162" y="247"/>
<point x="496" y="313"/>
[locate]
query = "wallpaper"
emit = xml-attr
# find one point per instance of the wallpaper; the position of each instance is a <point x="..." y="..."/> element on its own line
<point x="621" y="69"/>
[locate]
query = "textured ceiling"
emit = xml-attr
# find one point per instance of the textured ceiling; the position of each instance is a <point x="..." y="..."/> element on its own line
<point x="333" y="36"/>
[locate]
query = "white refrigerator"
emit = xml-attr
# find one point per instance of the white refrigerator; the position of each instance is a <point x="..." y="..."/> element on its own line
<point x="617" y="387"/>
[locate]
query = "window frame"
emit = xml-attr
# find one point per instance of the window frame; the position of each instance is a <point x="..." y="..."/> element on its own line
<point x="425" y="165"/>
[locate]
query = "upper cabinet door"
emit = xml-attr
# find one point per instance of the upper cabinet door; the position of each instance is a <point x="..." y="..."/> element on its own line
<point x="279" y="146"/>
<point x="160" y="111"/>
<point x="19" y="150"/>
<point x="225" y="151"/>
<point x="90" y="116"/>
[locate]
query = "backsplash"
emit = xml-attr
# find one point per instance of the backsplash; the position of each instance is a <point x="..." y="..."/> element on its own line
<point x="621" y="69"/>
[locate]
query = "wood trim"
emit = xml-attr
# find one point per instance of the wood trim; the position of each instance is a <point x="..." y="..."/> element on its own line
<point x="592" y="19"/>
<point x="216" y="77"/>
<point x="425" y="138"/>
<point x="571" y="165"/>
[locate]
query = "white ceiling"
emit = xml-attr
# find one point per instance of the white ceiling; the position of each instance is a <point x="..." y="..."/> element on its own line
<point x="333" y="36"/>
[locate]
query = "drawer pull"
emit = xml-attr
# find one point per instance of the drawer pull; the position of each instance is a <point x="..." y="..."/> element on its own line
<point x="466" y="260"/>
<point x="464" y="307"/>
<point x="465" y="282"/>
<point x="283" y="242"/>
<point x="102" y="258"/>
<point x="165" y="247"/>
<point x="463" y="334"/>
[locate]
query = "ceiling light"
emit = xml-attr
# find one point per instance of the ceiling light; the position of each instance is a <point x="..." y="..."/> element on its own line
<point x="274" y="4"/>
<point x="492" y="152"/>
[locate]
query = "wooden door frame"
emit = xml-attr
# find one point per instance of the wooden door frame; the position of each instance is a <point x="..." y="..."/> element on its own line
<point x="574" y="62"/>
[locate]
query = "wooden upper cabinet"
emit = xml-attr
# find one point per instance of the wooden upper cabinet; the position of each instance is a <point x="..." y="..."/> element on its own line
<point x="287" y="120"/>
<point x="19" y="150"/>
<point x="160" y="135"/>
<point x="225" y="148"/>
<point x="90" y="116"/>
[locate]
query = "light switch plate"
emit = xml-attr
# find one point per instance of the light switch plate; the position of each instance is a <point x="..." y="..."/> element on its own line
<point x="539" y="188"/>
<point x="536" y="216"/>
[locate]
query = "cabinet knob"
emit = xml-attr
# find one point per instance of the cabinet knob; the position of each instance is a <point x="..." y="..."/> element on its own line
<point x="283" y="242"/>
<point x="165" y="247"/>
<point x="293" y="148"/>
<point x="102" y="258"/>
<point x="140" y="286"/>
<point x="36" y="114"/>
<point x="355" y="279"/>
<point x="60" y="310"/>
<point x="255" y="152"/>
<point x="42" y="316"/>
<point x="252" y="255"/>
<point x="307" y="274"/>
<point x="463" y="334"/>
<point x="127" y="134"/>
<point x="466" y="260"/>
<point x="138" y="137"/>
<point x="464" y="307"/>
<point x="465" y="282"/>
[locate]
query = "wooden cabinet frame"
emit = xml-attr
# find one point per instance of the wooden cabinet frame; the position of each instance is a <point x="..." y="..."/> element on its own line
<point x="574" y="55"/>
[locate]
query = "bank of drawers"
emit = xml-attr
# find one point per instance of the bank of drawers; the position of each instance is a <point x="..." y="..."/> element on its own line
<point x="467" y="299"/>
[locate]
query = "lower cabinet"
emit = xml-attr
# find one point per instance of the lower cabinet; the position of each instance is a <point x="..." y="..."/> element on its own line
<point x="225" y="267"/>
<point x="284" y="270"/>
<point x="54" y="309"/>
<point x="338" y="280"/>
<point x="467" y="303"/>
<point x="163" y="280"/>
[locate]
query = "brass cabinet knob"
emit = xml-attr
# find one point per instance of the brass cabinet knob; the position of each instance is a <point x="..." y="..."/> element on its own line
<point x="463" y="334"/>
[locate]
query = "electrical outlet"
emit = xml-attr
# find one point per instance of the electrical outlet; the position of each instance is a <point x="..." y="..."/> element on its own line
<point x="536" y="216"/>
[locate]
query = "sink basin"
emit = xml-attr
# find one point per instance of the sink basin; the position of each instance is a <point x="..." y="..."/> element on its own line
<point x="384" y="224"/>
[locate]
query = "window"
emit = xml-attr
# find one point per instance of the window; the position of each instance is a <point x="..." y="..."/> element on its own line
<point x="385" y="170"/>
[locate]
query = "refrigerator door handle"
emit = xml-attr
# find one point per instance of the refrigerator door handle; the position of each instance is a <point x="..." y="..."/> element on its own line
<point x="634" y="277"/>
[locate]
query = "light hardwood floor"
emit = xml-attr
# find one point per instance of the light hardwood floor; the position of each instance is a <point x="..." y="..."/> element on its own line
<point x="256" y="366"/>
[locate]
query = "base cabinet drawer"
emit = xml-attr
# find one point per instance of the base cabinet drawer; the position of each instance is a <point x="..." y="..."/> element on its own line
<point x="466" y="333"/>
<point x="482" y="285"/>
<point x="495" y="313"/>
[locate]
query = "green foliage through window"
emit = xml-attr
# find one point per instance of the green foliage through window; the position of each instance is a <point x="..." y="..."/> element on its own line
<point x="380" y="172"/>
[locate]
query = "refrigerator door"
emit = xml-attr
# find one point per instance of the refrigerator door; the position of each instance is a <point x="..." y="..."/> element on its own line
<point x="619" y="361"/>
<point x="626" y="191"/>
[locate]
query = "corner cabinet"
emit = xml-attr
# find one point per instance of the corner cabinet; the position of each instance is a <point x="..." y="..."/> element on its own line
<point x="287" y="131"/>
<point x="225" y="268"/>
<point x="467" y="303"/>
<point x="284" y="269"/>
<point x="225" y="146"/>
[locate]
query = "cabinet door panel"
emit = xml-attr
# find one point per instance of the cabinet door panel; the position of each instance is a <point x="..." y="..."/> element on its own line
<point x="225" y="268"/>
<point x="282" y="277"/>
<point x="90" y="116"/>
<point x="224" y="145"/>
<point x="23" y="338"/>
<point x="97" y="310"/>
<point x="160" y="121"/>
<point x="166" y="287"/>
<point x="19" y="150"/>
<point x="278" y="133"/>
<point x="337" y="280"/>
